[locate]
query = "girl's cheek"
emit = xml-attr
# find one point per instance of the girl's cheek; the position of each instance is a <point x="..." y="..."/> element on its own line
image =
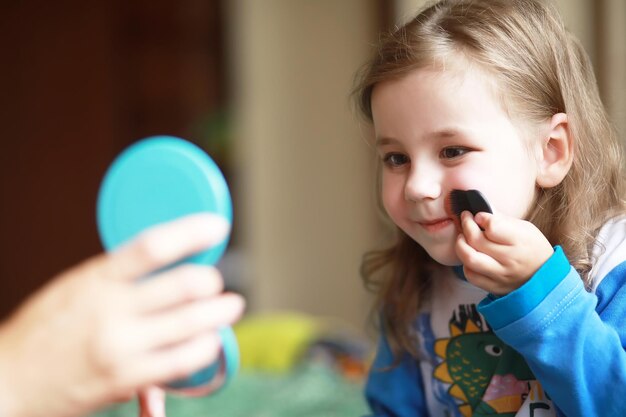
<point x="465" y="180"/>
<point x="390" y="195"/>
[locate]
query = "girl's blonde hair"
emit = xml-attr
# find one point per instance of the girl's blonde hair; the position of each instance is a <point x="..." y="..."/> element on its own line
<point x="539" y="69"/>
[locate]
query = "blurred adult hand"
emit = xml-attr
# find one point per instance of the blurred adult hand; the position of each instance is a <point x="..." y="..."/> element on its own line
<point x="98" y="333"/>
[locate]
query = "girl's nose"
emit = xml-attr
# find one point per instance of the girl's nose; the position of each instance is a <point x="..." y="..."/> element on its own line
<point x="422" y="185"/>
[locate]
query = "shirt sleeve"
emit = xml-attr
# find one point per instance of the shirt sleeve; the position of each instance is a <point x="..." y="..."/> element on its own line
<point x="572" y="340"/>
<point x="394" y="390"/>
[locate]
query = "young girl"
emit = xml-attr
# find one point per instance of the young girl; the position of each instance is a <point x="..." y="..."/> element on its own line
<point x="519" y="313"/>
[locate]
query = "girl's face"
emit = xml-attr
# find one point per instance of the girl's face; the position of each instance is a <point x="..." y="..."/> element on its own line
<point x="437" y="131"/>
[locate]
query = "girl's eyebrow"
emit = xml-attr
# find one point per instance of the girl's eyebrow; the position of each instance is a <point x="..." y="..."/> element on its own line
<point x="447" y="133"/>
<point x="386" y="141"/>
<point x="438" y="134"/>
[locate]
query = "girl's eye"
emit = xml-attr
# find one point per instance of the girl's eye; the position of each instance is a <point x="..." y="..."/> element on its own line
<point x="453" y="152"/>
<point x="395" y="159"/>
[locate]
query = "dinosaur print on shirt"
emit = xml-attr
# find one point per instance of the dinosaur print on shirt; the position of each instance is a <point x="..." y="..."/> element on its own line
<point x="485" y="376"/>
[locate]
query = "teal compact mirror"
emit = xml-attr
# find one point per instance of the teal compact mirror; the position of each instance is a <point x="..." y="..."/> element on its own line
<point x="157" y="180"/>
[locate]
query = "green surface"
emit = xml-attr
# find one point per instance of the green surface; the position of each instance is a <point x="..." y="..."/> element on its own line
<point x="309" y="390"/>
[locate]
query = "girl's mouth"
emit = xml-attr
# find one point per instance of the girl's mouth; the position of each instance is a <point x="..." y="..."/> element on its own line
<point x="436" y="225"/>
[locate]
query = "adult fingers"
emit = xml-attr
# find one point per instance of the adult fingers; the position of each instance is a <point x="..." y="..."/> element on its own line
<point x="165" y="244"/>
<point x="175" y="362"/>
<point x="182" y="284"/>
<point x="187" y="321"/>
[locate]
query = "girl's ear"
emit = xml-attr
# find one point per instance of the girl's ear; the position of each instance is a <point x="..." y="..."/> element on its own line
<point x="557" y="152"/>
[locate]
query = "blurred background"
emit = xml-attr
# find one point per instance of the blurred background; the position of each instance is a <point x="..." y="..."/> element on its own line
<point x="263" y="86"/>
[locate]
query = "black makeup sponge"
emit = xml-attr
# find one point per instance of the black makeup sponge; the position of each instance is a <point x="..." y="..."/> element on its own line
<point x="470" y="200"/>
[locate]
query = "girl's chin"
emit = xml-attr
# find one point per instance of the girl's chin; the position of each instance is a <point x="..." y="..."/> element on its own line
<point x="446" y="259"/>
<point x="455" y="262"/>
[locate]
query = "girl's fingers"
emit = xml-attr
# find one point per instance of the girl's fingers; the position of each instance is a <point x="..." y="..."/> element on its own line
<point x="471" y="231"/>
<point x="475" y="260"/>
<point x="182" y="284"/>
<point x="188" y="321"/>
<point x="496" y="228"/>
<point x="485" y="282"/>
<point x="478" y="238"/>
<point x="481" y="234"/>
<point x="165" y="244"/>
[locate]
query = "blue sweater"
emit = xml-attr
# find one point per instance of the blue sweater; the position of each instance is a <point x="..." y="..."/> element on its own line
<point x="552" y="345"/>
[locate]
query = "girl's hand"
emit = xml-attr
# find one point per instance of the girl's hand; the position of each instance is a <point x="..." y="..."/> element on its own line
<point x="505" y="255"/>
<point x="98" y="333"/>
